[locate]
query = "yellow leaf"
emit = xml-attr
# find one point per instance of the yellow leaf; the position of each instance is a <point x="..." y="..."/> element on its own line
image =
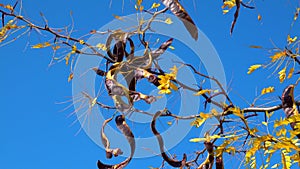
<point x="255" y="46"/>
<point x="291" y="40"/>
<point x="265" y="123"/>
<point x="214" y="112"/>
<point x="216" y="91"/>
<point x="225" y="11"/>
<point x="253" y="68"/>
<point x="67" y="58"/>
<point x="169" y="123"/>
<point x="41" y="45"/>
<point x="275" y="165"/>
<point x="266" y="166"/>
<point x="55" y="47"/>
<point x="70" y="77"/>
<point x="172" y="47"/>
<point x="9" y="7"/>
<point x="155" y="5"/>
<point x="168" y="21"/>
<point x="198" y="122"/>
<point x="174" y="70"/>
<point x="173" y="86"/>
<point x="277" y="56"/>
<point x="259" y="17"/>
<point x="46" y="44"/>
<point x="290" y="73"/>
<point x="74" y="49"/>
<point x="214" y="137"/>
<point x="101" y="46"/>
<point x="267" y="90"/>
<point x="94" y="102"/>
<point x="141" y="8"/>
<point x="139" y="2"/>
<point x="164" y="91"/>
<point x="269" y="114"/>
<point x="205" y="116"/>
<point x="81" y="42"/>
<point x="282" y="75"/>
<point x="118" y="17"/>
<point x="203" y="91"/>
<point x="229" y="3"/>
<point x="197" y="140"/>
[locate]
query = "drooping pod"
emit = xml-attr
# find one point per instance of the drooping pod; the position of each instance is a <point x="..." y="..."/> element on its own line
<point x="124" y="128"/>
<point x="170" y="161"/>
<point x="289" y="105"/>
<point x="119" y="49"/>
<point x="177" y="9"/>
<point x="163" y="47"/>
<point x="109" y="152"/>
<point x="238" y="4"/>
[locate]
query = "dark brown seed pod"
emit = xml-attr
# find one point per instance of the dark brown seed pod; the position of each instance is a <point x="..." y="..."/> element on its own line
<point x="124" y="128"/>
<point x="170" y="161"/>
<point x="109" y="152"/>
<point x="177" y="9"/>
<point x="289" y="105"/>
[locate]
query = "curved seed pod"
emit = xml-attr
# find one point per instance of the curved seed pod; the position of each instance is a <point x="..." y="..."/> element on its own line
<point x="170" y="161"/>
<point x="145" y="61"/>
<point x="124" y="128"/>
<point x="209" y="161"/>
<point x="106" y="143"/>
<point x="236" y="14"/>
<point x="289" y="105"/>
<point x="177" y="9"/>
<point x="108" y="42"/>
<point x="238" y="4"/>
<point x="119" y="49"/>
<point x="163" y="47"/>
<point x="125" y="70"/>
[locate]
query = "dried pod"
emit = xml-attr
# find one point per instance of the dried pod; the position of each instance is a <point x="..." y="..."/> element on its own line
<point x="124" y="128"/>
<point x="177" y="9"/>
<point x="170" y="161"/>
<point x="289" y="105"/>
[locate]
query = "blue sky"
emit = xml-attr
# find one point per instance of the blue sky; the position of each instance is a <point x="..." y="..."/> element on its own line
<point x="35" y="133"/>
